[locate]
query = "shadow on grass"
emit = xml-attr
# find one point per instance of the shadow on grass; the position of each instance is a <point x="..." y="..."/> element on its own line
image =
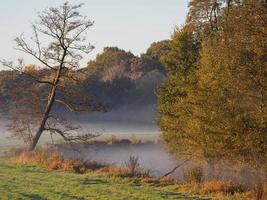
<point x="29" y="169"/>
<point x="68" y="196"/>
<point x="91" y="181"/>
<point x="181" y="196"/>
<point x="33" y="196"/>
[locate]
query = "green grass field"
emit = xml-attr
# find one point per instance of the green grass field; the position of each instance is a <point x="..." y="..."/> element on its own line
<point x="33" y="183"/>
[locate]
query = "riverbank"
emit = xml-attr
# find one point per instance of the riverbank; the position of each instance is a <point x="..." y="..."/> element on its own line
<point x="28" y="182"/>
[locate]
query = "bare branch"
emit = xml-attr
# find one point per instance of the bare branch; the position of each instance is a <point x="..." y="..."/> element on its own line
<point x="20" y="70"/>
<point x="65" y="104"/>
<point x="70" y="137"/>
<point x="23" y="46"/>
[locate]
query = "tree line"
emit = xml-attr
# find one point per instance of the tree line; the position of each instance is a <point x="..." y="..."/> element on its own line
<point x="114" y="78"/>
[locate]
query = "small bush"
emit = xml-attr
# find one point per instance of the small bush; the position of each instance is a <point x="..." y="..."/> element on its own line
<point x="146" y="173"/>
<point x="133" y="166"/>
<point x="194" y="175"/>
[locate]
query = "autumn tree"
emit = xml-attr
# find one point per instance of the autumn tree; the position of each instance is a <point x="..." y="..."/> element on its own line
<point x="63" y="29"/>
<point x="150" y="60"/>
<point x="110" y="64"/>
<point x="217" y="112"/>
<point x="231" y="96"/>
<point x="174" y="116"/>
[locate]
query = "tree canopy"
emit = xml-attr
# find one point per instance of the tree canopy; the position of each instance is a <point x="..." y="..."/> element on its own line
<point x="213" y="103"/>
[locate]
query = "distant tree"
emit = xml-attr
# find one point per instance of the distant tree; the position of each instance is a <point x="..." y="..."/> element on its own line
<point x="110" y="64"/>
<point x="150" y="60"/>
<point x="145" y="88"/>
<point x="64" y="30"/>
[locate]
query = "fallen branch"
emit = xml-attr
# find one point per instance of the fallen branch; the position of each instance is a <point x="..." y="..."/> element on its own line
<point x="175" y="168"/>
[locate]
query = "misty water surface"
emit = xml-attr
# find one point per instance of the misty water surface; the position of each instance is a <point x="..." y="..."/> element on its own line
<point x="130" y="122"/>
<point x="127" y="121"/>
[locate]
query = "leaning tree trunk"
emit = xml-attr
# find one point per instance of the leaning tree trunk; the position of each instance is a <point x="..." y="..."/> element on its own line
<point x="44" y="119"/>
<point x="50" y="102"/>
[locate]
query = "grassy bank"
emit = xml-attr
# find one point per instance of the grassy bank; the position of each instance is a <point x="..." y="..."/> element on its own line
<point x="20" y="181"/>
<point x="45" y="174"/>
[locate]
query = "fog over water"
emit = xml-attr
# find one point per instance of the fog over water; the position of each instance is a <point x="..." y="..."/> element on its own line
<point x="125" y="120"/>
<point x="151" y="156"/>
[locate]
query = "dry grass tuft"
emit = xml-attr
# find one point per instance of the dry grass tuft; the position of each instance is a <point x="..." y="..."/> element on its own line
<point x="259" y="191"/>
<point x="222" y="187"/>
<point x="54" y="161"/>
<point x="115" y="171"/>
<point x="131" y="168"/>
<point x="217" y="189"/>
<point x="194" y="175"/>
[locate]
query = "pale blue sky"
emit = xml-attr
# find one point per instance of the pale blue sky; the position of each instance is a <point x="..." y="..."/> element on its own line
<point x="129" y="24"/>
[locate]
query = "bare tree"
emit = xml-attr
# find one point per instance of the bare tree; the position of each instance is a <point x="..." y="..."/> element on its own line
<point x="64" y="30"/>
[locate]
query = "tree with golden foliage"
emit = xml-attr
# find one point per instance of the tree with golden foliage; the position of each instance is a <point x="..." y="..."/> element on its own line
<point x="220" y="114"/>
